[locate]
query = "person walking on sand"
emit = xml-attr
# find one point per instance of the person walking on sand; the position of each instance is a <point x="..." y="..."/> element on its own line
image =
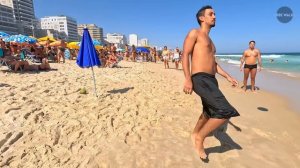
<point x="200" y="49"/>
<point x="133" y="53"/>
<point x="176" y="57"/>
<point x="61" y="51"/>
<point x="250" y="57"/>
<point x="166" y="56"/>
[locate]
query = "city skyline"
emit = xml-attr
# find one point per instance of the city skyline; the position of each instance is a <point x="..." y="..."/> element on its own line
<point x="167" y="22"/>
<point x="237" y="22"/>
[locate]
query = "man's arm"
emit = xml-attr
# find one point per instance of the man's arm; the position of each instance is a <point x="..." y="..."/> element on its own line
<point x="259" y="60"/>
<point x="220" y="71"/>
<point x="242" y="60"/>
<point x="188" y="46"/>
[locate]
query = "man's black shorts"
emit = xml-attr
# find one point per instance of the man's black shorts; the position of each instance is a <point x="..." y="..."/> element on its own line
<point x="214" y="102"/>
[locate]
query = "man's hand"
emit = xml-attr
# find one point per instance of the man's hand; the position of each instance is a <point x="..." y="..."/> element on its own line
<point x="241" y="69"/>
<point x="188" y="87"/>
<point x="233" y="81"/>
<point x="259" y="68"/>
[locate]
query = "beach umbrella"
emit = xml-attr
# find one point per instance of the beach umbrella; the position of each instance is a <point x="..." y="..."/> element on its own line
<point x="20" y="39"/>
<point x="142" y="49"/>
<point x="56" y="44"/>
<point x="87" y="56"/>
<point x="73" y="45"/>
<point x="97" y="42"/>
<point x="99" y="47"/>
<point x="3" y="34"/>
<point x="51" y="39"/>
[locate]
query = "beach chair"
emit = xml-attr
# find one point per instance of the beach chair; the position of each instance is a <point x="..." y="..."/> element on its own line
<point x="5" y="62"/>
<point x="29" y="56"/>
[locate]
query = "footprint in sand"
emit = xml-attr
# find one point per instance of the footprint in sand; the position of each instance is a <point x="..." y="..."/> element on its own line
<point x="12" y="109"/>
<point x="11" y="142"/>
<point x="132" y="139"/>
<point x="3" y="141"/>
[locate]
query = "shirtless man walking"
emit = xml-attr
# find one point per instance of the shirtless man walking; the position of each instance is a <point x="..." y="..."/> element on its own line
<point x="250" y="58"/>
<point x="201" y="79"/>
<point x="61" y="51"/>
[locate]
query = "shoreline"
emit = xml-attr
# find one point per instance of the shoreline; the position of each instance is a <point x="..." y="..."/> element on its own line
<point x="277" y="83"/>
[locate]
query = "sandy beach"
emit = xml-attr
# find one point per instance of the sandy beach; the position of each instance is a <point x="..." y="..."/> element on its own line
<point x="140" y="119"/>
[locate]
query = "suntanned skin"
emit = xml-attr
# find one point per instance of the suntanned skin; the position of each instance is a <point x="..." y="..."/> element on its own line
<point x="200" y="47"/>
<point x="250" y="57"/>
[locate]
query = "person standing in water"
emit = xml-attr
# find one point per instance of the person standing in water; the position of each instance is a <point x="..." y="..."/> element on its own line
<point x="250" y="57"/>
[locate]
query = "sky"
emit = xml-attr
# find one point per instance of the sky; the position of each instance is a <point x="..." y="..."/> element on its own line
<point x="167" y="22"/>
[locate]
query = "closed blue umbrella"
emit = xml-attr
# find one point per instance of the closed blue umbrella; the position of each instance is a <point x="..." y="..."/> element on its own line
<point x="95" y="42"/>
<point x="87" y="56"/>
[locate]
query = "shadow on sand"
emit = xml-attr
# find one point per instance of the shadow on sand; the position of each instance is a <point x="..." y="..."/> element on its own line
<point x="248" y="87"/>
<point x="28" y="72"/>
<point x="124" y="90"/>
<point x="226" y="141"/>
<point x="263" y="109"/>
<point x="4" y="85"/>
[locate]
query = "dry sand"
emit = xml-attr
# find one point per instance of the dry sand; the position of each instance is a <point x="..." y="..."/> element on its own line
<point x="140" y="119"/>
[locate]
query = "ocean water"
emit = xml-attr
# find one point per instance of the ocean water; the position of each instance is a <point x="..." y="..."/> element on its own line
<point x="283" y="63"/>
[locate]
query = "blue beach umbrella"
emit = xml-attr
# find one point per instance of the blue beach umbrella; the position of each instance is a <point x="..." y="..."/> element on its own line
<point x="20" y="39"/>
<point x="142" y="49"/>
<point x="87" y="56"/>
<point x="3" y="34"/>
<point x="95" y="42"/>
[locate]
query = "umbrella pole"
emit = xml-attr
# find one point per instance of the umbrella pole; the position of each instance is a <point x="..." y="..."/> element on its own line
<point x="94" y="82"/>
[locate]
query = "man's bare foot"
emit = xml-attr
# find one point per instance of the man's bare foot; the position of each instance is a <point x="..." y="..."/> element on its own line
<point x="200" y="149"/>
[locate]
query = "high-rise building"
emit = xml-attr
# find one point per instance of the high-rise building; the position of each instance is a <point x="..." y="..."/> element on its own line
<point x="7" y="21"/>
<point x="144" y="42"/>
<point x="95" y="31"/>
<point x="133" y="39"/>
<point x="24" y="11"/>
<point x="118" y="39"/>
<point x="64" y="24"/>
<point x="23" y="15"/>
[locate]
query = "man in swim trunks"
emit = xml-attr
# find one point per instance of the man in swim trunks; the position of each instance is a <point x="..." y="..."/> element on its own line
<point x="250" y="57"/>
<point x="61" y="51"/>
<point x="201" y="79"/>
